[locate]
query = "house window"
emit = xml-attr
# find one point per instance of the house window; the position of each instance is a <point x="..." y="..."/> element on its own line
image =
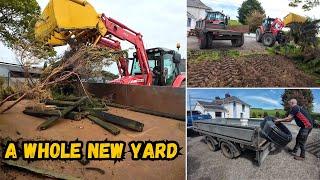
<point x="218" y="114"/>
<point x="189" y="22"/>
<point x="243" y="107"/>
<point x="241" y="115"/>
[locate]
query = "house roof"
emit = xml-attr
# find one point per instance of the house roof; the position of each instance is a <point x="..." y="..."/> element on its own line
<point x="197" y="4"/>
<point x="218" y="103"/>
<point x="190" y="15"/>
<point x="229" y="100"/>
<point x="209" y="105"/>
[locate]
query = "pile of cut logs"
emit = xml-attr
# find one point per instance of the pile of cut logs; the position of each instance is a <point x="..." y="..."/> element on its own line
<point x="77" y="108"/>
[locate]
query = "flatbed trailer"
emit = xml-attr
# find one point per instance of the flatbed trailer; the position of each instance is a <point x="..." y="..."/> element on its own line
<point x="233" y="136"/>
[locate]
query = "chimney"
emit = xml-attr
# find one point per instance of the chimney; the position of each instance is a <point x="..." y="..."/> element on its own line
<point x="227" y="95"/>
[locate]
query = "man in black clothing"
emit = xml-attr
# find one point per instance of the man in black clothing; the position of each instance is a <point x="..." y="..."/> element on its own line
<point x="304" y="121"/>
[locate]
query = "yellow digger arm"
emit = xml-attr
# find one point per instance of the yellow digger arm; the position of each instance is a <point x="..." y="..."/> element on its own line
<point x="65" y="19"/>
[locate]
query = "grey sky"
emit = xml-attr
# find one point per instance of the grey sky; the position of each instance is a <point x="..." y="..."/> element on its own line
<point x="273" y="8"/>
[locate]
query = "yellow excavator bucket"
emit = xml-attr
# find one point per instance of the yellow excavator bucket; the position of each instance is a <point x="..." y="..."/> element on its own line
<point x="65" y="19"/>
<point x="293" y="18"/>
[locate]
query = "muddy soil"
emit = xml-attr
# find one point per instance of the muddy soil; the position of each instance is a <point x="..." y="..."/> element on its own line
<point x="262" y="70"/>
<point x="15" y="124"/>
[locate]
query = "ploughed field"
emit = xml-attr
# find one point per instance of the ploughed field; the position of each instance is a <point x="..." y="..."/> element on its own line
<point x="255" y="70"/>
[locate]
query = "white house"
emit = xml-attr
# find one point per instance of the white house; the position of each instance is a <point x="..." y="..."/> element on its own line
<point x="196" y="10"/>
<point x="227" y="107"/>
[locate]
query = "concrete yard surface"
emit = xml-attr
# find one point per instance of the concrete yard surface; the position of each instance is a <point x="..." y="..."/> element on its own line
<point x="206" y="164"/>
<point x="15" y="124"/>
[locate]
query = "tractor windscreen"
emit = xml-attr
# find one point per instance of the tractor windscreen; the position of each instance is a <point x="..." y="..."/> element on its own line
<point x="215" y="16"/>
<point x="153" y="58"/>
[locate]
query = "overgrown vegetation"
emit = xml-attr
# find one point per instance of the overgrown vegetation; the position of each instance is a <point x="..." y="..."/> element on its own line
<point x="254" y="20"/>
<point x="261" y="113"/>
<point x="247" y="8"/>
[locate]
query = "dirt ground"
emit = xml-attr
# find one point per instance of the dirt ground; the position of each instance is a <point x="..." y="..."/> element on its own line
<point x="17" y="125"/>
<point x="256" y="70"/>
<point x="205" y="164"/>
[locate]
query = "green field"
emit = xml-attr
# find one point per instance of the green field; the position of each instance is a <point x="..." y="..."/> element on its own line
<point x="270" y="112"/>
<point x="234" y="23"/>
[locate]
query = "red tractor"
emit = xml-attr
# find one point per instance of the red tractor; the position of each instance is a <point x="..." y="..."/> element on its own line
<point x="270" y="32"/>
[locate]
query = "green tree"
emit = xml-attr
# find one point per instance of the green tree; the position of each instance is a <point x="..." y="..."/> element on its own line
<point x="307" y="5"/>
<point x="17" y="22"/>
<point x="277" y="114"/>
<point x="254" y="115"/>
<point x="265" y="114"/>
<point x="303" y="96"/>
<point x="254" y="20"/>
<point x="247" y="8"/>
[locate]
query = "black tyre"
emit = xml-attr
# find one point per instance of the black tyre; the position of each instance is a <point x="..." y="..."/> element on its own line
<point x="209" y="40"/>
<point x="226" y="150"/>
<point x="278" y="133"/>
<point x="203" y="41"/>
<point x="238" y="42"/>
<point x="212" y="143"/>
<point x="268" y="39"/>
<point x="258" y="35"/>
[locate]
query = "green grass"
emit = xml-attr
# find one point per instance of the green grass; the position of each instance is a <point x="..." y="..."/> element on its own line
<point x="207" y="56"/>
<point x="234" y="23"/>
<point x="271" y="112"/>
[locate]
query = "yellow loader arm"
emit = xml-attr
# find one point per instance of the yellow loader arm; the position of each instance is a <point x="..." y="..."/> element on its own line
<point x="63" y="20"/>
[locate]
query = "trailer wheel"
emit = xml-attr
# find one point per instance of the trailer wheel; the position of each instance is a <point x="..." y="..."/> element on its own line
<point x="258" y="35"/>
<point x="226" y="150"/>
<point x="203" y="40"/>
<point x="268" y="39"/>
<point x="212" y="143"/>
<point x="238" y="42"/>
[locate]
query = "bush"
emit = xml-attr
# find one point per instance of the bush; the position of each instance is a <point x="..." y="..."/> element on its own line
<point x="254" y="20"/>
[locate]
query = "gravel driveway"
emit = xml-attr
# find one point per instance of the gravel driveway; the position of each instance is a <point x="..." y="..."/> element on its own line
<point x="205" y="164"/>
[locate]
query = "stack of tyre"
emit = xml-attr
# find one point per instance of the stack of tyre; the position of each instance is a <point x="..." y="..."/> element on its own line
<point x="278" y="133"/>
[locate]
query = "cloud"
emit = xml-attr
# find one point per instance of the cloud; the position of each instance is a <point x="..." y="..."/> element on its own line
<point x="265" y="100"/>
<point x="316" y="107"/>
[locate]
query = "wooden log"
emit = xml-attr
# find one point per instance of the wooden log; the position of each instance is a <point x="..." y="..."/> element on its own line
<point x="107" y="126"/>
<point x="64" y="112"/>
<point x="121" y="121"/>
<point x="58" y="102"/>
<point x="42" y="113"/>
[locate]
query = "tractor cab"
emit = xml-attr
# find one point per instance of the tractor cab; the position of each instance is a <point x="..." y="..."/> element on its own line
<point x="164" y="64"/>
<point x="267" y="22"/>
<point x="216" y="19"/>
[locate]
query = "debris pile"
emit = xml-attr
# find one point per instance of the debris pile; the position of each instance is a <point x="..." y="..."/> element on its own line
<point x="78" y="108"/>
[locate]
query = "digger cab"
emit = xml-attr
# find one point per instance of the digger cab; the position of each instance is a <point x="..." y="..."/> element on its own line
<point x="164" y="64"/>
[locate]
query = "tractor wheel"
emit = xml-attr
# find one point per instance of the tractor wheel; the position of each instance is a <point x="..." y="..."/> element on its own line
<point x="268" y="39"/>
<point x="203" y="41"/>
<point x="209" y="40"/>
<point x="258" y="35"/>
<point x="238" y="42"/>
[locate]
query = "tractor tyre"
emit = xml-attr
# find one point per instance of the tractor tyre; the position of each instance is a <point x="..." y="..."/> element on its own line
<point x="258" y="35"/>
<point x="278" y="133"/>
<point x="238" y="42"/>
<point x="212" y="143"/>
<point x="209" y="40"/>
<point x="203" y="40"/>
<point x="268" y="39"/>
